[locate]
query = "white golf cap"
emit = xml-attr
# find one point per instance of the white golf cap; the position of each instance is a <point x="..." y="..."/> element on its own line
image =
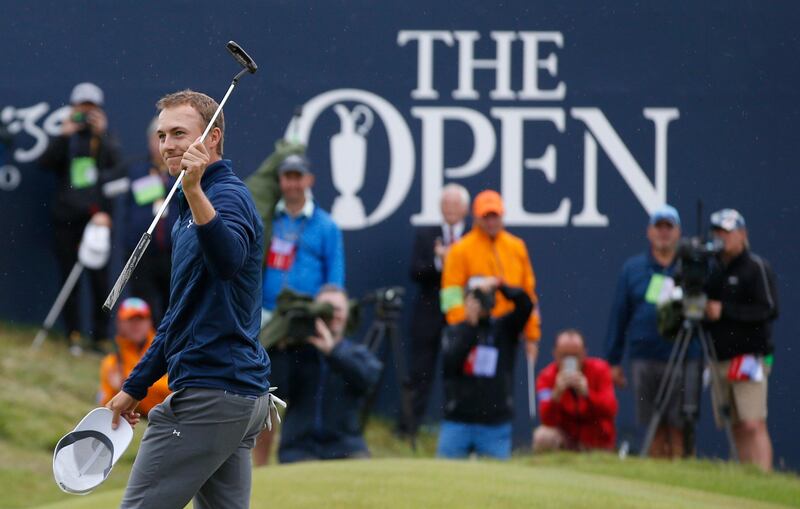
<point x="83" y="458"/>
<point x="95" y="246"/>
<point x="86" y="93"/>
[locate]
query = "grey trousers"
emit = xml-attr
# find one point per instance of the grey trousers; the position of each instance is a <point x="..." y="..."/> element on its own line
<point x="197" y="444"/>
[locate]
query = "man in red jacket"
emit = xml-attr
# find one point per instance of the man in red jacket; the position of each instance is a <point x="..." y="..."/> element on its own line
<point x="577" y="404"/>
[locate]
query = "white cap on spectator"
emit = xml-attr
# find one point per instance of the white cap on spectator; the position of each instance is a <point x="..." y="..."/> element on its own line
<point x="86" y="93"/>
<point x="83" y="458"/>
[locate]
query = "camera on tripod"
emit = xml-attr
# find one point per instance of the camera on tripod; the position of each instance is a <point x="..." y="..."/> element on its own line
<point x="695" y="262"/>
<point x="388" y="300"/>
<point x="686" y="298"/>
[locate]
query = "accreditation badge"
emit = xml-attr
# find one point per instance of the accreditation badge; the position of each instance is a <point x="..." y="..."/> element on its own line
<point x="659" y="290"/>
<point x="746" y="368"/>
<point x="147" y="189"/>
<point x="281" y="254"/>
<point x="482" y="361"/>
<point x="83" y="172"/>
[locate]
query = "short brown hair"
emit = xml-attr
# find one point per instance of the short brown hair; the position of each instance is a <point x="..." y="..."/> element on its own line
<point x="203" y="104"/>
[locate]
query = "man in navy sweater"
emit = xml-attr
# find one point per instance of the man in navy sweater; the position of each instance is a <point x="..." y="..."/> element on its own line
<point x="198" y="441"/>
<point x="633" y="326"/>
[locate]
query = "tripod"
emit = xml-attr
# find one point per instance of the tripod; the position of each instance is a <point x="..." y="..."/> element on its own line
<point x="690" y="328"/>
<point x="384" y="326"/>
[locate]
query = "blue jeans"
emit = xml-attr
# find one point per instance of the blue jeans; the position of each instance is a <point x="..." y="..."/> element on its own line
<point x="459" y="439"/>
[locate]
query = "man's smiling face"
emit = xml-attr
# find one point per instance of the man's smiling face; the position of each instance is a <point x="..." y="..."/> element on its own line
<point x="178" y="127"/>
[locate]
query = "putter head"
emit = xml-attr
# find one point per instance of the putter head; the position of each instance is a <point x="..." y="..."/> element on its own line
<point x="242" y="57"/>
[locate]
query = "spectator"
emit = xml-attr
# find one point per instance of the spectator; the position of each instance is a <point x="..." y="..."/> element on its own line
<point x="577" y="405"/>
<point x="150" y="182"/>
<point x="326" y="383"/>
<point x="489" y="250"/>
<point x="305" y="253"/>
<point x="431" y="245"/>
<point x="83" y="157"/>
<point x="306" y="250"/>
<point x="135" y="334"/>
<point x="478" y="357"/>
<point x="743" y="302"/>
<point x="633" y="325"/>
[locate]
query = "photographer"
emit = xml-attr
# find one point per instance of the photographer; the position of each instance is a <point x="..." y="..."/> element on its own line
<point x="83" y="158"/>
<point x="743" y="302"/>
<point x="478" y="360"/>
<point x="576" y="399"/>
<point x="325" y="384"/>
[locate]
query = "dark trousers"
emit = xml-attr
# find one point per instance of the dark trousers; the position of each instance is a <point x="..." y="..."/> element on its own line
<point x="68" y="239"/>
<point x="150" y="281"/>
<point x="425" y="346"/>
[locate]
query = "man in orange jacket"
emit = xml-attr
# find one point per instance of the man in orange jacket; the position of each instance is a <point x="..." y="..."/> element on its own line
<point x="134" y="334"/>
<point x="490" y="251"/>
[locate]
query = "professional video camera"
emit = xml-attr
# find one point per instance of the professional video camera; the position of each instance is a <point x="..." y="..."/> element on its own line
<point x="294" y="319"/>
<point x="695" y="262"/>
<point x="388" y="300"/>
<point x="686" y="299"/>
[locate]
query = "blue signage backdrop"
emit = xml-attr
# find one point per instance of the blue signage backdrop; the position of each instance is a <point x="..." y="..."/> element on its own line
<point x="585" y="117"/>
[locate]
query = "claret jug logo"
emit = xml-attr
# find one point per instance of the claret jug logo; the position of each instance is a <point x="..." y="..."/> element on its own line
<point x="537" y="101"/>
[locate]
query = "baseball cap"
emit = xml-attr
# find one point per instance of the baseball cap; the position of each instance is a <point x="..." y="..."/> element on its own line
<point x="727" y="219"/>
<point x="133" y="307"/>
<point x="83" y="458"/>
<point x="86" y="93"/>
<point x="294" y="162"/>
<point x="488" y="202"/>
<point x="665" y="213"/>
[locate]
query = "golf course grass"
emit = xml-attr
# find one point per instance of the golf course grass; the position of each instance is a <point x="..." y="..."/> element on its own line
<point x="396" y="483"/>
<point x="44" y="393"/>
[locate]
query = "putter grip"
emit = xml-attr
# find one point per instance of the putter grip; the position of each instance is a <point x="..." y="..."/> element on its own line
<point x="127" y="271"/>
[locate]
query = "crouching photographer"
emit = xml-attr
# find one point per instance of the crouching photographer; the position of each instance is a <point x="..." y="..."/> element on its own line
<point x="743" y="302"/>
<point x="577" y="404"/>
<point x="325" y="381"/>
<point x="478" y="358"/>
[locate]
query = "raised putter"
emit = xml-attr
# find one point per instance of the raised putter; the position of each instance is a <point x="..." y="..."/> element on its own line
<point x="250" y="66"/>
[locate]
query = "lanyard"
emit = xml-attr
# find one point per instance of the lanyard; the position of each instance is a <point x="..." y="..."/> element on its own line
<point x="295" y="235"/>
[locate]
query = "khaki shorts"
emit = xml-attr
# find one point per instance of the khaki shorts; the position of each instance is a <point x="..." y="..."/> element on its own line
<point x="747" y="400"/>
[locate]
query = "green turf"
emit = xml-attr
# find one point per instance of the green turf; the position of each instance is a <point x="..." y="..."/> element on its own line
<point x="400" y="483"/>
<point x="43" y="394"/>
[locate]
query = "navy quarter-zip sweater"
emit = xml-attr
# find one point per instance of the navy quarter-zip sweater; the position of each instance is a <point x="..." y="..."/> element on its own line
<point x="209" y="335"/>
<point x="633" y="320"/>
